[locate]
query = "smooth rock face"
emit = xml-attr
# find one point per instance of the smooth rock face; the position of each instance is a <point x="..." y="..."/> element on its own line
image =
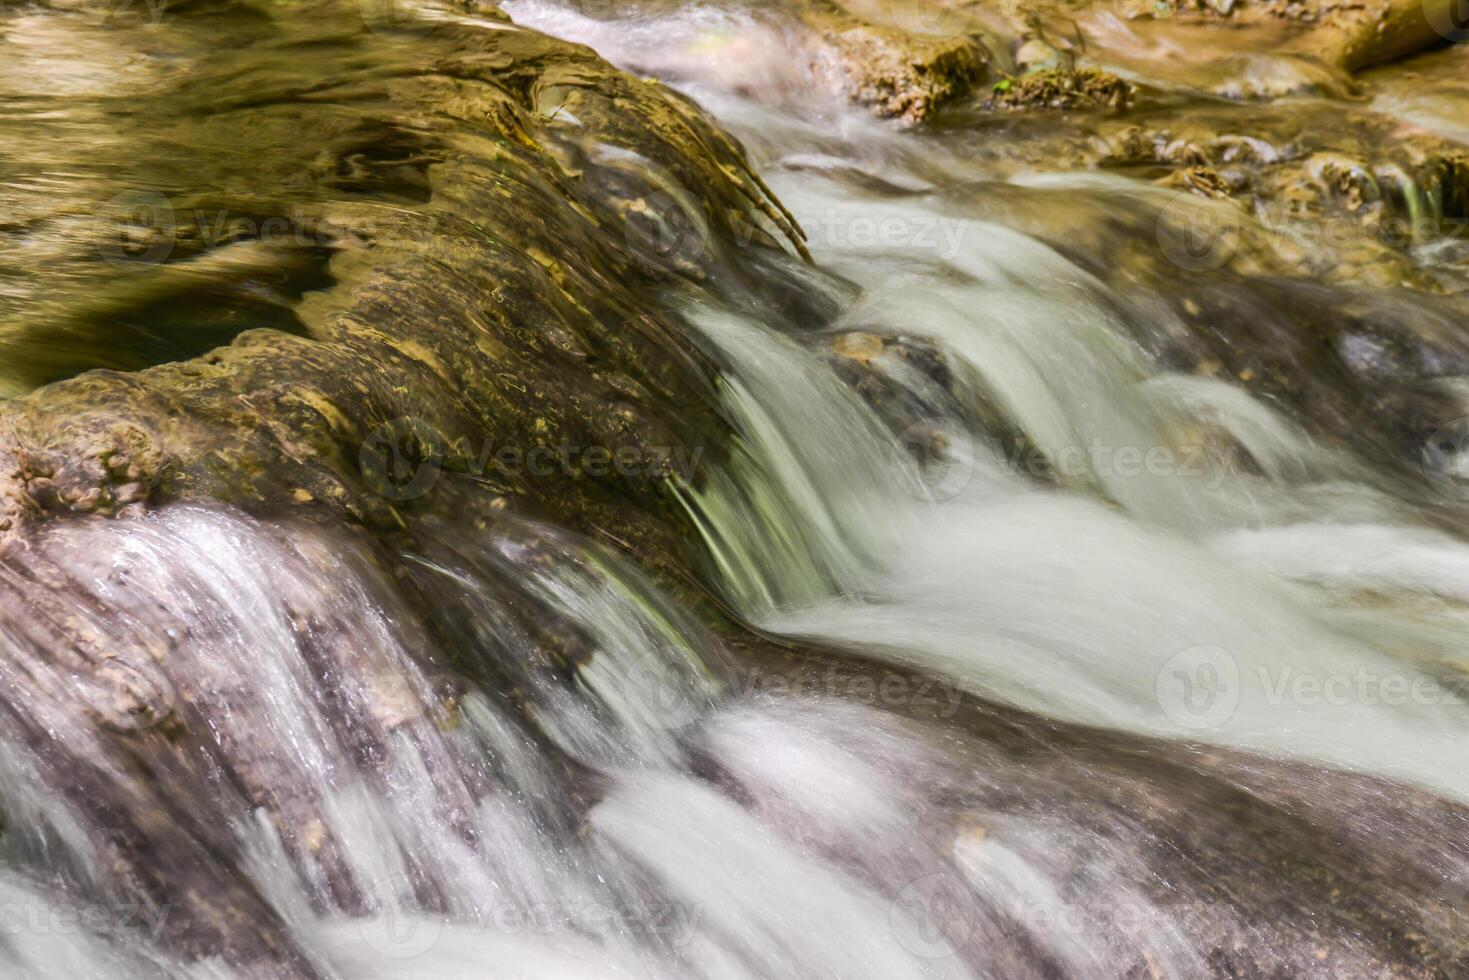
<point x="463" y="120"/>
<point x="486" y="215"/>
<point x="895" y="73"/>
<point x="395" y="604"/>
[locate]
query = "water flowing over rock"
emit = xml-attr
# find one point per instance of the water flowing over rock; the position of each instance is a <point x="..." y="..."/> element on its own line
<point x="471" y="507"/>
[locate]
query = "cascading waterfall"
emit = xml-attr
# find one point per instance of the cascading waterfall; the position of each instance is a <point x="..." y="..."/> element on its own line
<point x="958" y="585"/>
<point x="441" y="821"/>
<point x="1012" y="650"/>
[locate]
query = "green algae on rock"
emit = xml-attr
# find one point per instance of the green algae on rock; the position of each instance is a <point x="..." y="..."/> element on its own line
<point x="494" y="223"/>
<point x="453" y="163"/>
<point x="1059" y="88"/>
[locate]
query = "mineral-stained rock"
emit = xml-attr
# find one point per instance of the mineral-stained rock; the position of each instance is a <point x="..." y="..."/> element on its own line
<point x="1355" y="34"/>
<point x="1275" y="41"/>
<point x="507" y="209"/>
<point x="545" y="137"/>
<point x="1087" y="88"/>
<point x="1036" y="55"/>
<point x="1201" y="180"/>
<point x="896" y="73"/>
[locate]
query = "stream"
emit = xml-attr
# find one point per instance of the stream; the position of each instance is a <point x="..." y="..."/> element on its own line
<point x="1061" y="574"/>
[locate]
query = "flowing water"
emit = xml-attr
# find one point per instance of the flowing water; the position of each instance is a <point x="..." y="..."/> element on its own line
<point x="1057" y="654"/>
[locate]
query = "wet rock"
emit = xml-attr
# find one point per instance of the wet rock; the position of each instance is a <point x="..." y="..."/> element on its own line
<point x="895" y="73"/>
<point x="858" y="346"/>
<point x="1361" y="374"/>
<point x="457" y="321"/>
<point x="1345" y="197"/>
<point x="1205" y="181"/>
<point x="906" y="381"/>
<point x="1087" y="88"/>
<point x="1035" y="55"/>
<point x="1345" y="34"/>
<point x="280" y="420"/>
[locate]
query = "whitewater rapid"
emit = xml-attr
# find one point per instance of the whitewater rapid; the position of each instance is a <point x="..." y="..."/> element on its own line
<point x="1081" y="652"/>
